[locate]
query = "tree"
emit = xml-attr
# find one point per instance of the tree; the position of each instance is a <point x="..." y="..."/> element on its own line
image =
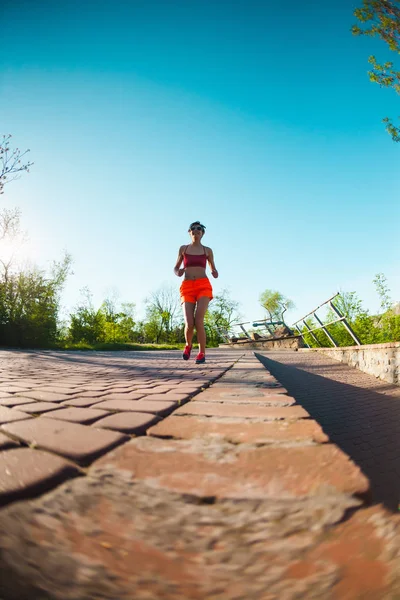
<point x="87" y="323"/>
<point x="370" y="329"/>
<point x="126" y="323"/>
<point x="351" y="307"/>
<point x="119" y="319"/>
<point x="383" y="291"/>
<point x="221" y="316"/>
<point x="29" y="304"/>
<point x="10" y="219"/>
<point x="388" y="323"/>
<point x="383" y="21"/>
<point x="111" y="323"/>
<point x="162" y="310"/>
<point x="10" y="223"/>
<point x="29" y="298"/>
<point x="110" y="310"/>
<point x="276" y="304"/>
<point x="11" y="237"/>
<point x="11" y="165"/>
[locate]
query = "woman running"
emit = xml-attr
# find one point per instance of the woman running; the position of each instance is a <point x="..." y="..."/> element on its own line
<point x="196" y="290"/>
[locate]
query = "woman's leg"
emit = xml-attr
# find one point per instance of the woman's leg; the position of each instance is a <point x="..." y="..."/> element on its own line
<point x="201" y="309"/>
<point x="188" y="311"/>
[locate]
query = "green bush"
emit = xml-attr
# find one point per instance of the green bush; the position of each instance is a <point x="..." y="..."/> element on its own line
<point x="370" y="329"/>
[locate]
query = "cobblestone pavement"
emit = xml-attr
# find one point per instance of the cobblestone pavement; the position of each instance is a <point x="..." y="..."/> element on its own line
<point x="61" y="410"/>
<point x="359" y="413"/>
<point x="116" y="487"/>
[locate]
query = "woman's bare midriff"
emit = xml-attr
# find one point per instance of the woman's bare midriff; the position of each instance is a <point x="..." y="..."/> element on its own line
<point x="195" y="273"/>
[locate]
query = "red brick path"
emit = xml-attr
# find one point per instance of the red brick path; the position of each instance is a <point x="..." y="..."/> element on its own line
<point x="359" y="413"/>
<point x="236" y="495"/>
<point x="61" y="410"/>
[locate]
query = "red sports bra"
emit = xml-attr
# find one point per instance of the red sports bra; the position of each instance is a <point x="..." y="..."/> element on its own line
<point x="194" y="260"/>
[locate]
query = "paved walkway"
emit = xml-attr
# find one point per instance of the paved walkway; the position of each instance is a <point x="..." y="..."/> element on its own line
<point x="359" y="413"/>
<point x="59" y="411"/>
<point x="139" y="476"/>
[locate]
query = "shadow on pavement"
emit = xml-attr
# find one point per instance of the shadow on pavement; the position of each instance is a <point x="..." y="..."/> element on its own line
<point x="365" y="424"/>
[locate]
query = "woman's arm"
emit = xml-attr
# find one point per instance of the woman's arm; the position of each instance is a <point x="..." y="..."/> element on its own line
<point x="177" y="270"/>
<point x="210" y="258"/>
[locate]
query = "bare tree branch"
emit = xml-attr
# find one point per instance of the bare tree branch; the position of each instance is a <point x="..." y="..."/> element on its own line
<point x="11" y="165"/>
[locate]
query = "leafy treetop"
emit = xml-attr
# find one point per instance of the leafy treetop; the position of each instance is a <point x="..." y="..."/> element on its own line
<point x="381" y="18"/>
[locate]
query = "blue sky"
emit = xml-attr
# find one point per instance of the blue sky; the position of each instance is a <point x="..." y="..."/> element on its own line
<point x="255" y="118"/>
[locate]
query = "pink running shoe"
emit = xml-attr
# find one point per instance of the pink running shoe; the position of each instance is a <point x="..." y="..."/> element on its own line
<point x="186" y="352"/>
<point x="200" y="358"/>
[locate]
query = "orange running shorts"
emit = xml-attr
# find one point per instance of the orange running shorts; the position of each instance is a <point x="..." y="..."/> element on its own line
<point x="193" y="289"/>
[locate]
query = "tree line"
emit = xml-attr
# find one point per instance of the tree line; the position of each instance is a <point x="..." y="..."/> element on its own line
<point x="30" y="297"/>
<point x="30" y="313"/>
<point x="31" y="316"/>
<point x="383" y="327"/>
<point x="115" y="322"/>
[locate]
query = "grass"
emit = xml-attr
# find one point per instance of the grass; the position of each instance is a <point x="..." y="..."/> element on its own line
<point x="117" y="346"/>
<point x="109" y="347"/>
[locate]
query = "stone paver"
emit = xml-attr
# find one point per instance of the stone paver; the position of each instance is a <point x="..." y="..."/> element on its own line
<point x="90" y="395"/>
<point x="44" y="396"/>
<point x="6" y="442"/>
<point x="217" y="471"/>
<point x="57" y="389"/>
<point x="77" y="415"/>
<point x="359" y="413"/>
<point x="170" y="397"/>
<point x="24" y="471"/>
<point x="8" y="415"/>
<point x="10" y="388"/>
<point x="244" y="431"/>
<point x="124" y="396"/>
<point x="128" y="422"/>
<point x="14" y="401"/>
<point x="158" y="389"/>
<point x="37" y="408"/>
<point x="159" y="408"/>
<point x="239" y="410"/>
<point x="72" y="440"/>
<point x="82" y="402"/>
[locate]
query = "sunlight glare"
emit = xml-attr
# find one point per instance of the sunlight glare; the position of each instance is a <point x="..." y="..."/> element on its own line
<point x="17" y="251"/>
